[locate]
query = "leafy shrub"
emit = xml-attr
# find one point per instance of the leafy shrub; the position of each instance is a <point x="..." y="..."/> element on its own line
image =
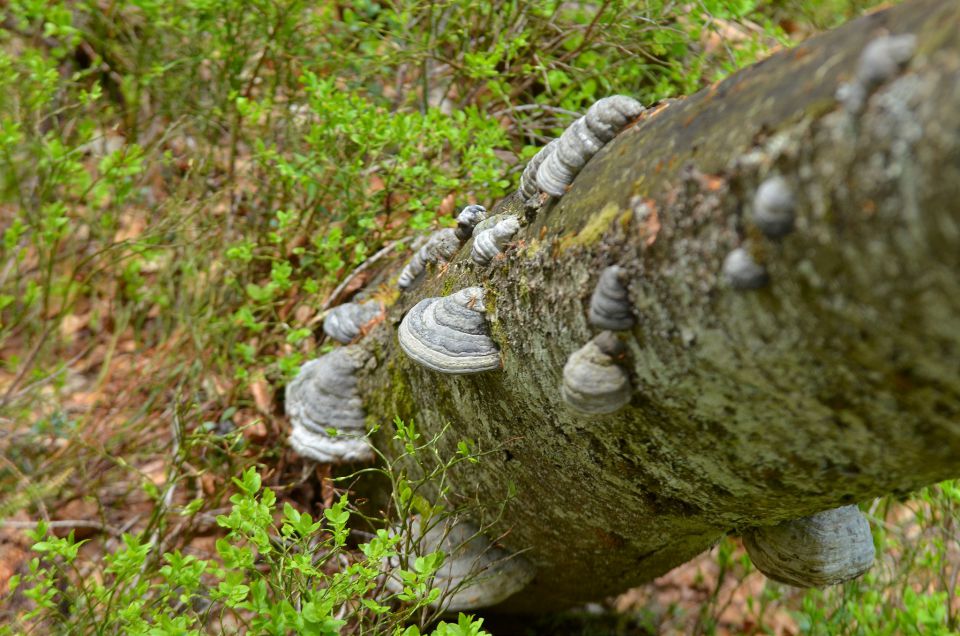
<point x="275" y="572"/>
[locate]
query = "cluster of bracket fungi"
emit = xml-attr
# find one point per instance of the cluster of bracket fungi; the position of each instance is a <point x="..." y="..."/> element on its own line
<point x="449" y="335"/>
<point x="774" y="202"/>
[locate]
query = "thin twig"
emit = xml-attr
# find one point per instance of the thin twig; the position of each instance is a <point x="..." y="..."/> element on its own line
<point x="363" y="266"/>
<point x="543" y="107"/>
<point x="62" y="523"/>
<point x="25" y="366"/>
<point x="44" y="380"/>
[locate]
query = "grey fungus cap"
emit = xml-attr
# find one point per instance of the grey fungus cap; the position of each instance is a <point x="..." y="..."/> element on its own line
<point x="742" y="272"/>
<point x="344" y="322"/>
<point x="440" y="247"/>
<point x="492" y="241"/>
<point x="325" y="410"/>
<point x="823" y="549"/>
<point x="449" y="334"/>
<point x="610" y="307"/>
<point x="593" y="380"/>
<point x="582" y="139"/>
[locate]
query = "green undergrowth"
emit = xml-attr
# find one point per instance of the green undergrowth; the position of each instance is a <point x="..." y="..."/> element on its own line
<point x="182" y="186"/>
<point x="276" y="569"/>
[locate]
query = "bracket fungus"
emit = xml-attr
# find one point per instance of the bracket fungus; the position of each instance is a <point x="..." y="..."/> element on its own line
<point x="528" y="180"/>
<point x="609" y="305"/>
<point x="488" y="223"/>
<point x="344" y="322"/>
<point x="880" y="60"/>
<point x="467" y="219"/>
<point x="774" y="207"/>
<point x="593" y="380"/>
<point x="475" y="573"/>
<point x="441" y="246"/>
<point x="492" y="241"/>
<point x="323" y="397"/>
<point x="742" y="272"/>
<point x="582" y="139"/>
<point x="827" y="548"/>
<point x="449" y="334"/>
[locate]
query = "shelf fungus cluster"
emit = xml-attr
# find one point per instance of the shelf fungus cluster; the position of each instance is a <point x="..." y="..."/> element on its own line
<point x="475" y="573"/>
<point x="554" y="168"/>
<point x="774" y="214"/>
<point x="442" y="245"/>
<point x="823" y="549"/>
<point x="528" y="179"/>
<point x="325" y="410"/>
<point x="449" y="334"/>
<point x="774" y="203"/>
<point x="879" y="62"/>
<point x="594" y="382"/>
<point x="492" y="241"/>
<point x="344" y="322"/>
<point x="594" y="378"/>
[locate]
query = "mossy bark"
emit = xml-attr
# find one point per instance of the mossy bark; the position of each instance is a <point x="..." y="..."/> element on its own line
<point x="838" y="382"/>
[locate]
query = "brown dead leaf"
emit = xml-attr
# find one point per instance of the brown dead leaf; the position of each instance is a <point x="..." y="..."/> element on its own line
<point x="78" y="510"/>
<point x="375" y="184"/>
<point x="209" y="484"/>
<point x="254" y="428"/>
<point x="205" y="545"/>
<point x="11" y="559"/>
<point x="284" y="312"/>
<point x="73" y="323"/>
<point x="131" y="226"/>
<point x="448" y="204"/>
<point x="262" y="395"/>
<point x="712" y="182"/>
<point x="373" y="322"/>
<point x="84" y="399"/>
<point x="397" y="199"/>
<point x="356" y="284"/>
<point x="155" y="471"/>
<point x="327" y="491"/>
<point x="645" y="211"/>
<point x="302" y="314"/>
<point x="14" y="548"/>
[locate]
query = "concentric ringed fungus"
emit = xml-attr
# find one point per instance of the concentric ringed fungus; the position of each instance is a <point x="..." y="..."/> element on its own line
<point x="823" y="549"/>
<point x="490" y="242"/>
<point x="440" y="247"/>
<point x="467" y="219"/>
<point x="344" y="322"/>
<point x="528" y="180"/>
<point x="610" y="307"/>
<point x="593" y="380"/>
<point x="449" y="334"/>
<point x="323" y="399"/>
<point x="582" y="139"/>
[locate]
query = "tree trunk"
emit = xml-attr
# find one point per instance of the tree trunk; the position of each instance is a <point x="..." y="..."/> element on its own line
<point x="837" y="382"/>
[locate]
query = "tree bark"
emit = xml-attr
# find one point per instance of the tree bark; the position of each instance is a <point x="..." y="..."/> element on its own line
<point x="837" y="382"/>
